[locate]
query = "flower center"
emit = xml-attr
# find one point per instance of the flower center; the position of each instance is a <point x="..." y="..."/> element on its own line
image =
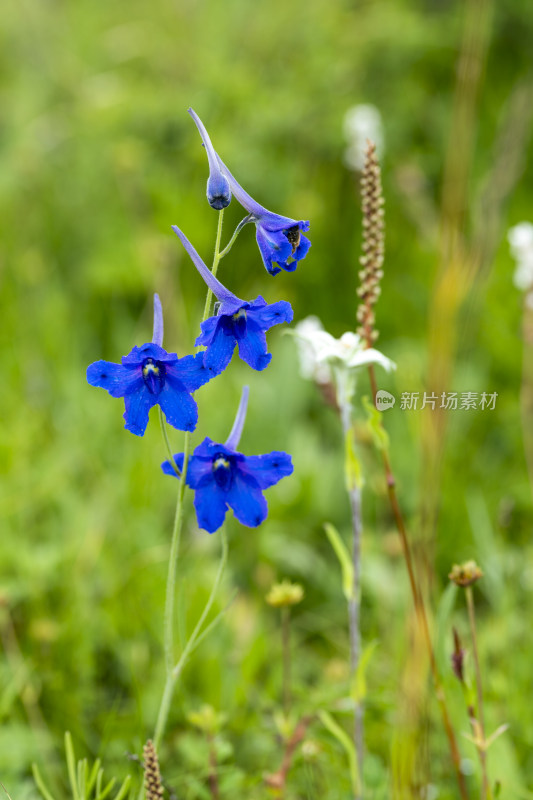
<point x="239" y="323"/>
<point x="293" y="235"/>
<point x="222" y="471"/>
<point x="153" y="375"/>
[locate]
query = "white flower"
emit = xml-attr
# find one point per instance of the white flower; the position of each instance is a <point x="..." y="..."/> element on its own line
<point x="361" y="124"/>
<point x="521" y="242"/>
<point x="307" y="332"/>
<point x="322" y="357"/>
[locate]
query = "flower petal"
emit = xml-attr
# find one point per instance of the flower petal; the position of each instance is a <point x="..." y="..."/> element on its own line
<point x="188" y="373"/>
<point x="370" y="356"/>
<point x="246" y="500"/>
<point x="253" y="347"/>
<point x="199" y="472"/>
<point x="269" y="468"/>
<point x="266" y="316"/>
<point x="179" y="408"/>
<point x="209" y="329"/>
<point x="148" y="350"/>
<point x="303" y="247"/>
<point x="220" y="351"/>
<point x="168" y="468"/>
<point x="114" y="378"/>
<point x="210" y="506"/>
<point x="138" y="404"/>
<point x="275" y="248"/>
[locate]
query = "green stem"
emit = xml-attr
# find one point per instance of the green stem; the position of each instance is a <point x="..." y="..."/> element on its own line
<point x="286" y="644"/>
<point x="487" y="793"/>
<point x="171" y="674"/>
<point x="216" y="260"/>
<point x="354" y="604"/>
<point x="189" y="647"/>
<point x="236" y="232"/>
<point x="167" y="442"/>
<point x="174" y="673"/>
<point x="173" y="561"/>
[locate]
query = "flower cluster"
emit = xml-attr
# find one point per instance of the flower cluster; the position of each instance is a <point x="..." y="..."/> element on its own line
<point x="220" y="475"/>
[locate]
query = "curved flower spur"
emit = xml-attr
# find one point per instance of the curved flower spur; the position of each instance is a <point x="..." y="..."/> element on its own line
<point x="237" y="322"/>
<point x="222" y="477"/>
<point x="280" y="239"/>
<point x="150" y="376"/>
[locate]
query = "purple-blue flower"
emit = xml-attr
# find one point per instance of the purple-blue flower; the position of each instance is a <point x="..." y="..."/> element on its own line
<point x="150" y="376"/>
<point x="280" y="239"/>
<point x="218" y="191"/>
<point x="223" y="478"/>
<point x="236" y="323"/>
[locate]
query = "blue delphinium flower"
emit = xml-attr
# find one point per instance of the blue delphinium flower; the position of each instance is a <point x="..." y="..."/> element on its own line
<point x="218" y="190"/>
<point x="222" y="477"/>
<point x="237" y="322"/>
<point x="150" y="376"/>
<point x="280" y="239"/>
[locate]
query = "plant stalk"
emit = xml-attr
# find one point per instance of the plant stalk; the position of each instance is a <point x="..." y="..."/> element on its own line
<point x="354" y="603"/>
<point x="487" y="793"/>
<point x="420" y="608"/>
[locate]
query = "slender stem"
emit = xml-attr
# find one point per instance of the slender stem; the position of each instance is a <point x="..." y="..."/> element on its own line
<point x="286" y="647"/>
<point x="420" y="608"/>
<point x="213" y="776"/>
<point x="173" y="561"/>
<point x="175" y="543"/>
<point x="479" y="688"/>
<point x="167" y="442"/>
<point x="216" y="259"/>
<point x="189" y="647"/>
<point x="174" y="673"/>
<point x="277" y="780"/>
<point x="354" y="604"/>
<point x="236" y="232"/>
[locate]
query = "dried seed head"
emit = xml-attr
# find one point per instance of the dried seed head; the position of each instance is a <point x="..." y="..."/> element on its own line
<point x="152" y="776"/>
<point x="465" y="574"/>
<point x="373" y="245"/>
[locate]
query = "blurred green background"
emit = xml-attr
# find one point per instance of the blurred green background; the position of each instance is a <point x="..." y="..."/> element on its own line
<point x="98" y="158"/>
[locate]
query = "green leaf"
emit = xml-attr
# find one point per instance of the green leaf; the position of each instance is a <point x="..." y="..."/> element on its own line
<point x="358" y="682"/>
<point x="107" y="789"/>
<point x="344" y="740"/>
<point x="444" y="612"/>
<point x="379" y="434"/>
<point x="341" y="551"/>
<point x="352" y="465"/>
<point x="92" y="777"/>
<point x="40" y="783"/>
<point x="124" y="788"/>
<point x="71" y="766"/>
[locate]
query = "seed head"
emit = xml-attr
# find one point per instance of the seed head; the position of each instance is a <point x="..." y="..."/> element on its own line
<point x="465" y="574"/>
<point x="152" y="776"/>
<point x="373" y="245"/>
